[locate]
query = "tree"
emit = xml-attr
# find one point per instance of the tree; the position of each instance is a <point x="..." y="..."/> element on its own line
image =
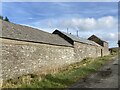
<point x="1" y="17"/>
<point x="119" y="43"/>
<point x="6" y="19"/>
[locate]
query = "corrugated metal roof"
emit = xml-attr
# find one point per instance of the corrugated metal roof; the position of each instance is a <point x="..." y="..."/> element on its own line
<point x="79" y="39"/>
<point x="20" y="32"/>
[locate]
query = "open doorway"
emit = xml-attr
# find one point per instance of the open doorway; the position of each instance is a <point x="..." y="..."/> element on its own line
<point x="101" y="52"/>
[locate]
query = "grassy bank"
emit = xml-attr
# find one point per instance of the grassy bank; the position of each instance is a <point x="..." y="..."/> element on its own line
<point x="62" y="79"/>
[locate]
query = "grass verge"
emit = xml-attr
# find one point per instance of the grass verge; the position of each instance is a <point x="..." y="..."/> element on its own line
<point x="62" y="79"/>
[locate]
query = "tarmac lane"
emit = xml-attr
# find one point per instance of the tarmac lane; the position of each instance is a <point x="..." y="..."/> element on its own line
<point x="106" y="77"/>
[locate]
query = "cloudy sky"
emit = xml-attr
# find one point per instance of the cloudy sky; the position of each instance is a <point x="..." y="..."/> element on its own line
<point x="98" y="18"/>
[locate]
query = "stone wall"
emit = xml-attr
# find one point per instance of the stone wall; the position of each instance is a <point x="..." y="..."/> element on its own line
<point x="106" y="49"/>
<point x="1" y="80"/>
<point x="84" y="50"/>
<point x="21" y="58"/>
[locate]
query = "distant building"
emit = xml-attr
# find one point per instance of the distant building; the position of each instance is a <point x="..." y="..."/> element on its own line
<point x="82" y="47"/>
<point x="103" y="43"/>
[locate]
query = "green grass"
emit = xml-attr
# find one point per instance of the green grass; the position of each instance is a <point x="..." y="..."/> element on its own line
<point x="62" y="79"/>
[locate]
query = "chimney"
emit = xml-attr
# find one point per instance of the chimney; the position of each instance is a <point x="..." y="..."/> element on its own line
<point x="77" y="33"/>
<point x="67" y="30"/>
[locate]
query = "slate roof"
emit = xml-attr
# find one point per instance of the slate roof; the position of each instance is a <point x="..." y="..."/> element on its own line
<point x="79" y="39"/>
<point x="19" y="32"/>
<point x="94" y="36"/>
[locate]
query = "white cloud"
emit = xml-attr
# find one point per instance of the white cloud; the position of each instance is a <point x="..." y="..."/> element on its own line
<point x="111" y="36"/>
<point x="107" y="22"/>
<point x="81" y="24"/>
<point x="84" y="24"/>
<point x="30" y="18"/>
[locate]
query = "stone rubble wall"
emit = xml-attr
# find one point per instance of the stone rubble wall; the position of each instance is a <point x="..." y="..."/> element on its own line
<point x="106" y="49"/>
<point x="84" y="50"/>
<point x="21" y="58"/>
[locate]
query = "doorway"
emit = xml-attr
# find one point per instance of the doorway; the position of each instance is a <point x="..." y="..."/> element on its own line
<point x="101" y="52"/>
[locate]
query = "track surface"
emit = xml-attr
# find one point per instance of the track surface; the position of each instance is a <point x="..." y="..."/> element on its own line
<point x="106" y="77"/>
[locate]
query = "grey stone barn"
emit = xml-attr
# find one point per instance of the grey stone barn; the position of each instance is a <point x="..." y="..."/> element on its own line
<point x="104" y="44"/>
<point x="84" y="48"/>
<point x="27" y="50"/>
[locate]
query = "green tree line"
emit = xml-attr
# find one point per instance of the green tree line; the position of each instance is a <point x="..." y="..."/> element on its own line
<point x="119" y="43"/>
<point x="5" y="19"/>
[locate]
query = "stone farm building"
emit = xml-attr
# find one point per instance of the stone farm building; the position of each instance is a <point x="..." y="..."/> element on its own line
<point x="27" y="50"/>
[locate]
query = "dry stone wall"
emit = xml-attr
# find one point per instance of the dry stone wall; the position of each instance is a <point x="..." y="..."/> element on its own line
<point x="105" y="49"/>
<point x="21" y="58"/>
<point x="1" y="80"/>
<point x="84" y="50"/>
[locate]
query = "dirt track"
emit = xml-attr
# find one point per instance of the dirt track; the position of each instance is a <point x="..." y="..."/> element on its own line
<point x="106" y="77"/>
